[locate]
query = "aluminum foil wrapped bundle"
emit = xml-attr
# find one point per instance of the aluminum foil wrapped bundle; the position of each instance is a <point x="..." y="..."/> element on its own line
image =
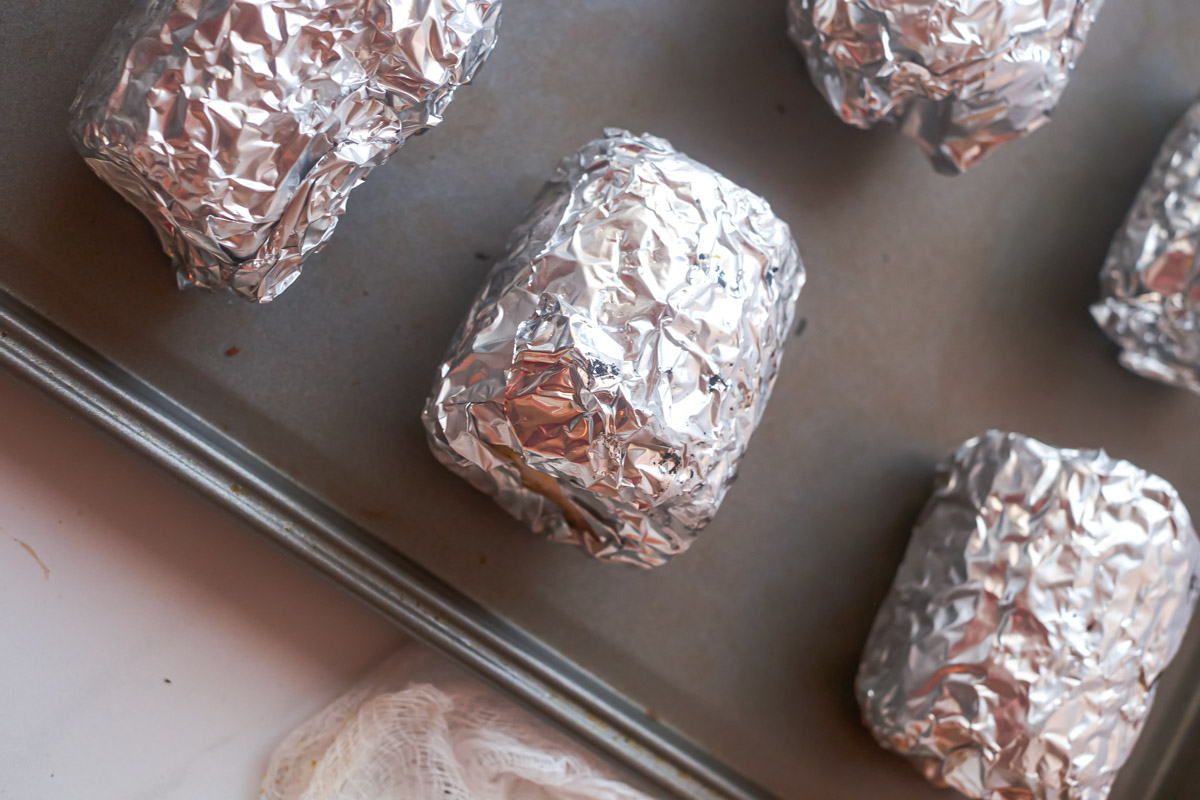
<point x="1042" y="593"/>
<point x="1150" y="284"/>
<point x="239" y="127"/>
<point x="958" y="76"/>
<point x="610" y="373"/>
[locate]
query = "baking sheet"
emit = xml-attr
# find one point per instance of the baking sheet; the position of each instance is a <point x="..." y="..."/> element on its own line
<point x="935" y="308"/>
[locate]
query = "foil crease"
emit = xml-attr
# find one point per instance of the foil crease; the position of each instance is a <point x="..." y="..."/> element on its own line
<point x="1150" y="282"/>
<point x="1043" y="592"/>
<point x="239" y="127"/>
<point x="610" y="373"/>
<point x="958" y="76"/>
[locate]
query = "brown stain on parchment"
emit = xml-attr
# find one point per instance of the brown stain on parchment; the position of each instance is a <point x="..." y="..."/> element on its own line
<point x="33" y="554"/>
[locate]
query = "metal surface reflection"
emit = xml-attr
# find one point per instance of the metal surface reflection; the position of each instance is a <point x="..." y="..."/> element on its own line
<point x="960" y="77"/>
<point x="1043" y="592"/>
<point x="609" y="375"/>
<point x="1150" y="284"/>
<point x="239" y="127"/>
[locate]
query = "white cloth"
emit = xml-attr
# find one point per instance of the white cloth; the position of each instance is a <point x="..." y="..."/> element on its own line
<point x="397" y="737"/>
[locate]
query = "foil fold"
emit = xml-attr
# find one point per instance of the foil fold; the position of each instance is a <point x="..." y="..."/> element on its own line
<point x="1150" y="282"/>
<point x="239" y="127"/>
<point x="1042" y="594"/>
<point x="959" y="77"/>
<point x="610" y="373"/>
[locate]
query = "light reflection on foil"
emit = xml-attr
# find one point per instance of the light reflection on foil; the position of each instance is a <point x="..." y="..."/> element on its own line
<point x="608" y="377"/>
<point x="239" y="127"/>
<point x="1043" y="592"/>
<point x="1150" y="283"/>
<point x="958" y="76"/>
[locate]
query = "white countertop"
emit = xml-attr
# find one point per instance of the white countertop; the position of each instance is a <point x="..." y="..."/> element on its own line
<point x="151" y="646"/>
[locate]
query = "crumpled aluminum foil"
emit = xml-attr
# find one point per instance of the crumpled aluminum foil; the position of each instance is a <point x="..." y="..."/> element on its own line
<point x="1042" y="593"/>
<point x="958" y="76"/>
<point x="1150" y="283"/>
<point x="239" y="127"/>
<point x="608" y="377"/>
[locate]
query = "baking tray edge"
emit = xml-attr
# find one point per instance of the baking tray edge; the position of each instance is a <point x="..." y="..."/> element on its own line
<point x="35" y="350"/>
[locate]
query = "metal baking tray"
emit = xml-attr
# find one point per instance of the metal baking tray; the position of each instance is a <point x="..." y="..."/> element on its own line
<point x="936" y="308"/>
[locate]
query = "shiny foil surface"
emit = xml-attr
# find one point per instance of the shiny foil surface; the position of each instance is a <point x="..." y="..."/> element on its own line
<point x="958" y="76"/>
<point x="1150" y="283"/>
<point x="239" y="127"/>
<point x="1042" y="593"/>
<point x="609" y="375"/>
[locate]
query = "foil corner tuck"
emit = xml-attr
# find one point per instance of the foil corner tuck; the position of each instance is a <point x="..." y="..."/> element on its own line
<point x="608" y="377"/>
<point x="1150" y="282"/>
<point x="1043" y="592"/>
<point x="239" y="127"/>
<point x="959" y="77"/>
